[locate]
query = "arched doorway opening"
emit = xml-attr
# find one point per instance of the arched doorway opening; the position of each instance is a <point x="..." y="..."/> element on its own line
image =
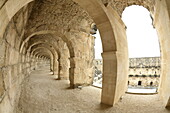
<point x="144" y="51"/>
<point x="139" y="83"/>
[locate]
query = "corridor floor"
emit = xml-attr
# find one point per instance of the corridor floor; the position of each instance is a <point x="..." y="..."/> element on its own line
<point x="42" y="93"/>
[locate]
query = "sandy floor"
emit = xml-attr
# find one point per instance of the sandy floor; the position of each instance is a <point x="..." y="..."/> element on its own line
<point x="41" y="93"/>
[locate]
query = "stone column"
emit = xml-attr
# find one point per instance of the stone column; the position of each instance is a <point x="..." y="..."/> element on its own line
<point x="115" y="77"/>
<point x="71" y="72"/>
<point x="168" y="104"/>
<point x="109" y="77"/>
<point x="51" y="64"/>
<point x="55" y="68"/>
<point x="64" y="70"/>
<point x="162" y="25"/>
<point x="79" y="73"/>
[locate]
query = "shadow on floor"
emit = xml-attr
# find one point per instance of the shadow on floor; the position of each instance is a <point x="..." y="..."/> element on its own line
<point x="168" y="109"/>
<point x="103" y="107"/>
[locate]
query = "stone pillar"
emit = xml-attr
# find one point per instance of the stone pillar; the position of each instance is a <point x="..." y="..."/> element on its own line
<point x="55" y="67"/>
<point x="115" y="78"/>
<point x="64" y="70"/>
<point x="167" y="83"/>
<point x="109" y="78"/>
<point x="79" y="72"/>
<point x="51" y="64"/>
<point x="71" y="72"/>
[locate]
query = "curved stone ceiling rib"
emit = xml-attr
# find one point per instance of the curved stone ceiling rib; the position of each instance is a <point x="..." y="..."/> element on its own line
<point x="41" y="53"/>
<point x="42" y="50"/>
<point x="47" y="44"/>
<point x="59" y="33"/>
<point x="45" y="47"/>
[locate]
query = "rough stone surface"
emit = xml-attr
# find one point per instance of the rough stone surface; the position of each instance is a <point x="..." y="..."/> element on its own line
<point x="14" y="66"/>
<point x="63" y="29"/>
<point x="41" y="90"/>
<point x="120" y="5"/>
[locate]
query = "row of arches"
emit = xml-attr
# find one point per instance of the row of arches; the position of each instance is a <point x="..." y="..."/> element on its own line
<point x="113" y="36"/>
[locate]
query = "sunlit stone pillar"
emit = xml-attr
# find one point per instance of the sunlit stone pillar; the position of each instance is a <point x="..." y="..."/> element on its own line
<point x="109" y="78"/>
<point x="76" y="75"/>
<point x="167" y="83"/>
<point x="115" y="77"/>
<point x="162" y="25"/>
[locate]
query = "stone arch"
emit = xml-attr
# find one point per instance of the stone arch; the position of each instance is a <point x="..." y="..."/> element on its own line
<point x="156" y="8"/>
<point x="41" y="51"/>
<point x="60" y="47"/>
<point x="41" y="42"/>
<point x="36" y="49"/>
<point x="58" y="33"/>
<point x="68" y="42"/>
<point x="54" y="61"/>
<point x="121" y="5"/>
<point x="113" y="52"/>
<point x="42" y="45"/>
<point x="42" y="55"/>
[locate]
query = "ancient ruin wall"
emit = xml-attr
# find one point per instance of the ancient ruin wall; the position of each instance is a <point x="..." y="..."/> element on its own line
<point x="14" y="66"/>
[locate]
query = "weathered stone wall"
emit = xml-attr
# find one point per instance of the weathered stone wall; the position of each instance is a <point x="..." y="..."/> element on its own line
<point x="146" y="70"/>
<point x="71" y="22"/>
<point x="145" y="81"/>
<point x="71" y="26"/>
<point x="82" y="68"/>
<point x="18" y="59"/>
<point x="14" y="66"/>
